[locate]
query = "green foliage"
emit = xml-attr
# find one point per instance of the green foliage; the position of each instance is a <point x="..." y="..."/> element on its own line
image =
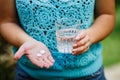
<point x="7" y="65"/>
<point x="118" y="2"/>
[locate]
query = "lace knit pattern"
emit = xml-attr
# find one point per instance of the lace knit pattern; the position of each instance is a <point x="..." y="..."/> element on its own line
<point x="37" y="18"/>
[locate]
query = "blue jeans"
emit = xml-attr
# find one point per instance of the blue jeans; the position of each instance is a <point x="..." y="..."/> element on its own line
<point x="99" y="75"/>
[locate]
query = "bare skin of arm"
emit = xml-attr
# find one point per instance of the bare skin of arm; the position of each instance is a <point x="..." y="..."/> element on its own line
<point x="102" y="27"/>
<point x="12" y="33"/>
<point x="9" y="28"/>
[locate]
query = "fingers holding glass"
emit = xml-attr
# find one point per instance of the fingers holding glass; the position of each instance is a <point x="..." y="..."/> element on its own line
<point x="81" y="46"/>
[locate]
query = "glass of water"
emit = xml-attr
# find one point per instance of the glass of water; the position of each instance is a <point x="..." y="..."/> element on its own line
<point x="66" y="31"/>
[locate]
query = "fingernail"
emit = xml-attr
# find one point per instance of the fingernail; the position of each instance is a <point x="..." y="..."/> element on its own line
<point x="41" y="66"/>
<point x="77" y="38"/>
<point x="75" y="45"/>
<point x="15" y="58"/>
<point x="47" y="67"/>
<point x="74" y="50"/>
<point x="53" y="60"/>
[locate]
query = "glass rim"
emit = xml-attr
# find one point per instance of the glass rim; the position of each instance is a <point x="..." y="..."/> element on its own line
<point x="60" y="19"/>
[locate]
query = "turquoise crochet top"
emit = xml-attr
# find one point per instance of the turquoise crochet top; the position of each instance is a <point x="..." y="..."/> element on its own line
<point x="37" y="18"/>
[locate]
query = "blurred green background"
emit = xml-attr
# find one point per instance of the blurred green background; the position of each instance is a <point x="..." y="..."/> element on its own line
<point x="111" y="50"/>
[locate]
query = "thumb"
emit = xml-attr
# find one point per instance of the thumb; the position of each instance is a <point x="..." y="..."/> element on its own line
<point x="19" y="53"/>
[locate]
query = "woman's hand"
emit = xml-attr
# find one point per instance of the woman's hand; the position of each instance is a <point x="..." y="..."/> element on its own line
<point x="82" y="43"/>
<point x="37" y="53"/>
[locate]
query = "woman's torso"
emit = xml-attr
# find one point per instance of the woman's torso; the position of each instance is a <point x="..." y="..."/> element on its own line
<point x="37" y="18"/>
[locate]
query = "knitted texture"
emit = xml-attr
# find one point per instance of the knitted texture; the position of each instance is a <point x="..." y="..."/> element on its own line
<point x="37" y="18"/>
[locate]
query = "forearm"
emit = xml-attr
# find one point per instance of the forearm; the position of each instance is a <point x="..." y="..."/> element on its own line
<point x="101" y="28"/>
<point x="13" y="34"/>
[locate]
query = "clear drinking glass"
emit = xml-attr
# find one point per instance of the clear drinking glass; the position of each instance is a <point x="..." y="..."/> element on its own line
<point x="66" y="31"/>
